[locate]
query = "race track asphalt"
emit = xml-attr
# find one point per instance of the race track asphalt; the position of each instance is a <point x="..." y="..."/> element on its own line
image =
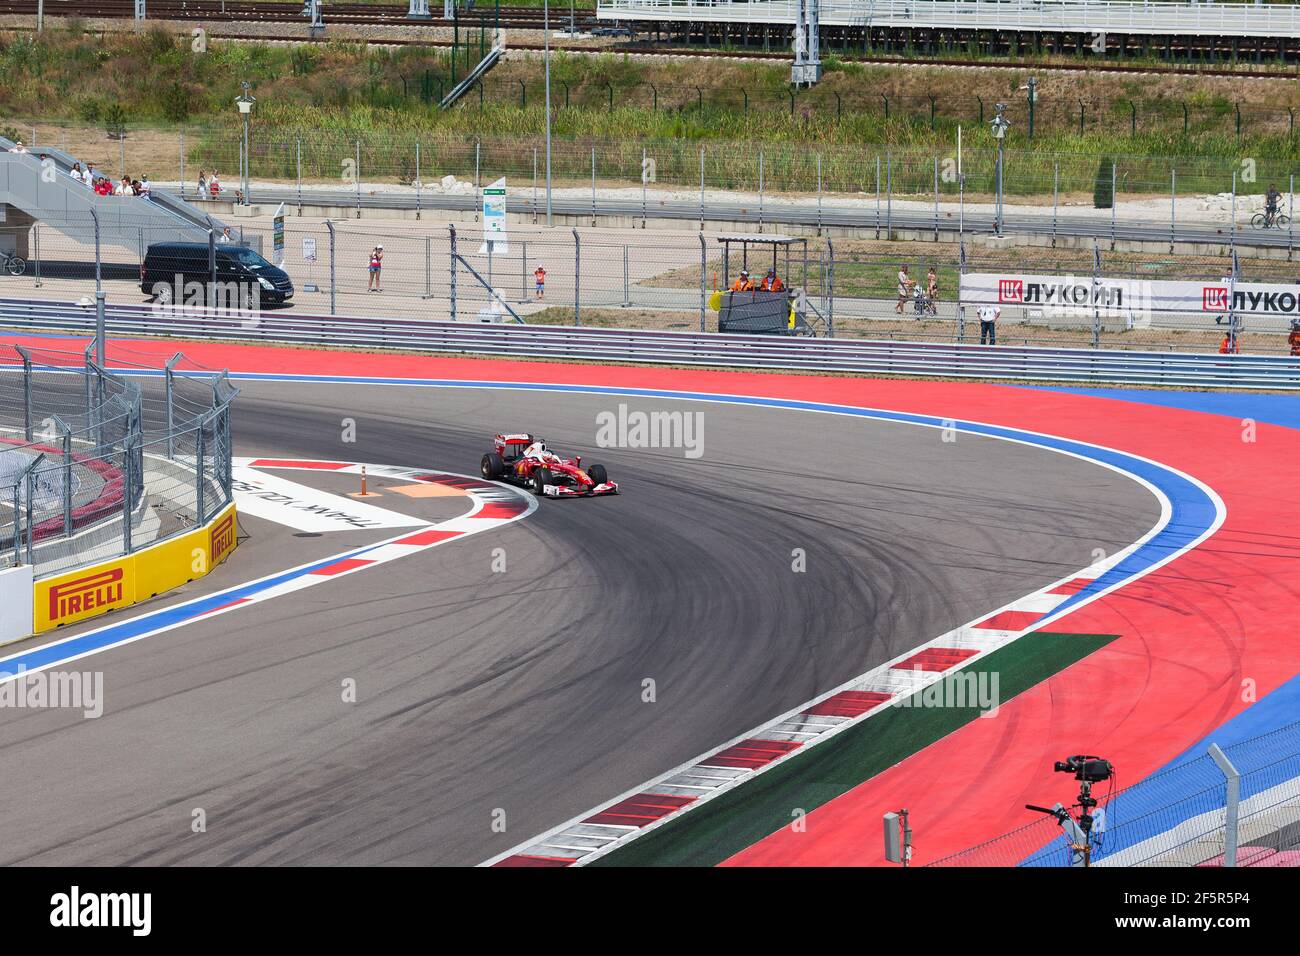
<point x="519" y="695"/>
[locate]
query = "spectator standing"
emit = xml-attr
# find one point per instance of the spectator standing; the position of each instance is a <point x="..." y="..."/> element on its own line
<point x="214" y="186"/>
<point x="905" y="284"/>
<point x="376" y="266"/>
<point x="989" y="315"/>
<point x="1293" y="339"/>
<point x="539" y="275"/>
<point x="203" y="184"/>
<point x="18" y="147"/>
<point x="144" y="185"/>
<point x="76" y="172"/>
<point x="743" y="282"/>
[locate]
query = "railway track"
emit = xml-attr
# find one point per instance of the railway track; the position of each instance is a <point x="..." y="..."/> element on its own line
<point x="251" y="11"/>
<point x="357" y="14"/>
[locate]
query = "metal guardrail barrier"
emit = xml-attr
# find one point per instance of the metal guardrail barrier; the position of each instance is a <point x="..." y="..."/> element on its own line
<point x="95" y="464"/>
<point x="676" y="348"/>
<point x="1084" y="16"/>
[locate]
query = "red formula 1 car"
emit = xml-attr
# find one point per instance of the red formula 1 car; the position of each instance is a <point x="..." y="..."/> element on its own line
<point x="525" y="460"/>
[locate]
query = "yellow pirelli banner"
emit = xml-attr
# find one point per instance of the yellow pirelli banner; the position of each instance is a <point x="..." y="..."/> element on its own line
<point x="121" y="582"/>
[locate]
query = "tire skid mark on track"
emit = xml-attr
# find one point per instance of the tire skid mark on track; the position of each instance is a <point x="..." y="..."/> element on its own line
<point x="1190" y="513"/>
<point x="493" y="506"/>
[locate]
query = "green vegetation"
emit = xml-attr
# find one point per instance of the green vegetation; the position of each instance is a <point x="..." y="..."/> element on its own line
<point x="861" y="118"/>
<point x="728" y="824"/>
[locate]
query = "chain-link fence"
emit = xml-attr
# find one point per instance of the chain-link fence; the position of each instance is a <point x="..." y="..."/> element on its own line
<point x="95" y="464"/>
<point x="887" y="186"/>
<point x="1235" y="806"/>
<point x="650" y="279"/>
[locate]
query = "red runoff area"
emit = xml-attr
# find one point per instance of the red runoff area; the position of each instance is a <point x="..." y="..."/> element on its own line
<point x="1190" y="633"/>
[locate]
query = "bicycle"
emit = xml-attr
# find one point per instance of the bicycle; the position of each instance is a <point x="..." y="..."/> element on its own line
<point x="1264" y="220"/>
<point x="14" y="265"/>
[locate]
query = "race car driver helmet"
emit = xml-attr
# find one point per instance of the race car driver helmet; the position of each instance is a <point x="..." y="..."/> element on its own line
<point x="536" y="450"/>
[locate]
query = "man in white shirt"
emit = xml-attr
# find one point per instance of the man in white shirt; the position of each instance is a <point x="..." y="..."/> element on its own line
<point x="988" y="323"/>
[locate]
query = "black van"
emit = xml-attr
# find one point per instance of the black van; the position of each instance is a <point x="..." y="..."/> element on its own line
<point x="239" y="270"/>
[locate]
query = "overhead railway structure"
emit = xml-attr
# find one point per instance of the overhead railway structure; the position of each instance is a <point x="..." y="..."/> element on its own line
<point x="1100" y="28"/>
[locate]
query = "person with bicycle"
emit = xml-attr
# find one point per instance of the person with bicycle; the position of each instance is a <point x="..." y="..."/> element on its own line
<point x="1272" y="205"/>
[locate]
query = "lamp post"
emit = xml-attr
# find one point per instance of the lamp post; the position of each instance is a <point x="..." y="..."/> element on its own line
<point x="245" y="103"/>
<point x="1000" y="126"/>
<point x="546" y="58"/>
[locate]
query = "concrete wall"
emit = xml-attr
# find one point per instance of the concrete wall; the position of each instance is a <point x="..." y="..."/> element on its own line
<point x="15" y="603"/>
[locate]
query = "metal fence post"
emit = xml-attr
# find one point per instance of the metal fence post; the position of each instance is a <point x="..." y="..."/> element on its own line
<point x="428" y="267"/>
<point x="101" y="333"/>
<point x="299" y="175"/>
<point x="961" y="305"/>
<point x="819" y="194"/>
<point x="418" y="182"/>
<point x="1096" y="278"/>
<point x="936" y="199"/>
<point x="478" y="176"/>
<point x="1232" y="230"/>
<point x="452" y="229"/>
<point x="1114" y="202"/>
<point x="333" y="285"/>
<point x="65" y="434"/>
<point x="593" y="186"/>
<point x="18" y="525"/>
<point x="760" y="190"/>
<point x="181" y="142"/>
<point x="889" y="195"/>
<point x="212" y="267"/>
<point x="128" y="468"/>
<point x="577" y="278"/>
<point x="523" y="272"/>
<point x="627" y="285"/>
<point x="1232" y="799"/>
<point x="27" y="391"/>
<point x="644" y="183"/>
<point x="357" y="172"/>
<point x="36" y="248"/>
<point x="704" y="289"/>
<point x="1173" y="207"/>
<point x="1290" y="226"/>
<point x="199" y="452"/>
<point x="877" y="197"/>
<point x="1056" y="193"/>
<point x="169" y="378"/>
<point x="830" y="288"/>
<point x="29" y="480"/>
<point x="99" y="279"/>
<point x="961" y="206"/>
<point x="534" y="185"/>
<point x="701" y="188"/>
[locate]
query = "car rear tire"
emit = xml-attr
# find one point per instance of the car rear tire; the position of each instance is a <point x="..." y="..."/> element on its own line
<point x="541" y="478"/>
<point x="492" y="466"/>
<point x="598" y="474"/>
